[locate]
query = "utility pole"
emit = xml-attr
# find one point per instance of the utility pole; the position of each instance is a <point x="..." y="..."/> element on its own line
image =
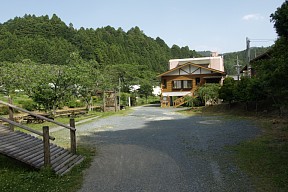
<point x="237" y="66"/>
<point x="248" y="56"/>
<point x="119" y="92"/>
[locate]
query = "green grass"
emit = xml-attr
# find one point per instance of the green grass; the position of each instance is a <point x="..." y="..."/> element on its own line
<point x="264" y="158"/>
<point x="16" y="98"/>
<point x="15" y="176"/>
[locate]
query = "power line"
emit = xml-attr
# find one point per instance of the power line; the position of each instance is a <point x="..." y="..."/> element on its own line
<point x="261" y="40"/>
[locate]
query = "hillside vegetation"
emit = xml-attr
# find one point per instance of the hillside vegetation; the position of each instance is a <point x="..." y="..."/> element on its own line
<point x="51" y="41"/>
<point x="54" y="62"/>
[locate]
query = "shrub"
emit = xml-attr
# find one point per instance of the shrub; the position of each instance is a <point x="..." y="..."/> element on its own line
<point x="4" y="110"/>
<point x="75" y="103"/>
<point x="192" y="101"/>
<point x="28" y="105"/>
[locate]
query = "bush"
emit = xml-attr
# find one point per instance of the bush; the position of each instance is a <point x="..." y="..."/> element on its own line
<point x="28" y="105"/>
<point x="4" y="110"/>
<point x="192" y="101"/>
<point x="75" y="103"/>
<point x="124" y="98"/>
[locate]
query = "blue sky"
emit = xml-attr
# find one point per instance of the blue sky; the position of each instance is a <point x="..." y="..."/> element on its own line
<point x="221" y="25"/>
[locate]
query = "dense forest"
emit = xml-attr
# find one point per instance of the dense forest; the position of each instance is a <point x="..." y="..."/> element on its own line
<point x="50" y="40"/>
<point x="52" y="62"/>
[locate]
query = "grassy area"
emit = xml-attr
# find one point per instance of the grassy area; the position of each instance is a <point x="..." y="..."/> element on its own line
<point x="265" y="158"/>
<point x="16" y="98"/>
<point x="15" y="176"/>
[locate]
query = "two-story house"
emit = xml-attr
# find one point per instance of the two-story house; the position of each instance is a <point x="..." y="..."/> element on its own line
<point x="185" y="75"/>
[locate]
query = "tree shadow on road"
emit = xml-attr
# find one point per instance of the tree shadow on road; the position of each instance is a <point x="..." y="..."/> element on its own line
<point x="194" y="143"/>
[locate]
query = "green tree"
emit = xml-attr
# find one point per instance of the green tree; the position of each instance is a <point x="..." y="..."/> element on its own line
<point x="280" y="19"/>
<point x="242" y="92"/>
<point x="209" y="93"/>
<point x="272" y="72"/>
<point x="227" y="91"/>
<point x="52" y="85"/>
<point x="256" y="91"/>
<point x="145" y="90"/>
<point x="12" y="77"/>
<point x="87" y="77"/>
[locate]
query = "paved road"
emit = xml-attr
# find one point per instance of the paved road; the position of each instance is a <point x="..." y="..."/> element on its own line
<point x="155" y="149"/>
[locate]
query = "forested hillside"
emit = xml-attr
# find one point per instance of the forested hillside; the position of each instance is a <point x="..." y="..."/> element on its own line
<point x="51" y="41"/>
<point x="54" y="63"/>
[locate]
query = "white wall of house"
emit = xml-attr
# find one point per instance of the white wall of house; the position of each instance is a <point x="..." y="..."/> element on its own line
<point x="189" y="70"/>
<point x="214" y="62"/>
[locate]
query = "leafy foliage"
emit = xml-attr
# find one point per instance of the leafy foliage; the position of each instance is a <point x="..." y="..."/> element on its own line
<point x="54" y="63"/>
<point x="192" y="101"/>
<point x="50" y="40"/>
<point x="246" y="90"/>
<point x="273" y="71"/>
<point x="145" y="90"/>
<point x="227" y="91"/>
<point x="208" y="92"/>
<point x="280" y="19"/>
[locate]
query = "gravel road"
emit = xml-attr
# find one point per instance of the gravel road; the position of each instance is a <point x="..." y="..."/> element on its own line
<point x="155" y="149"/>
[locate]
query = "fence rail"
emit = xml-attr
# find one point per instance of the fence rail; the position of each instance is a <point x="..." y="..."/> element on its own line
<point x="45" y="134"/>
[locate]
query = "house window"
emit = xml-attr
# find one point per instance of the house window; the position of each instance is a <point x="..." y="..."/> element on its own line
<point x="184" y="84"/>
<point x="197" y="81"/>
<point x="213" y="80"/>
<point x="187" y="84"/>
<point x="164" y="84"/>
<point x="177" y="84"/>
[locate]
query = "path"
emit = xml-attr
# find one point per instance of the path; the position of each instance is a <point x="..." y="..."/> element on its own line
<point x="155" y="149"/>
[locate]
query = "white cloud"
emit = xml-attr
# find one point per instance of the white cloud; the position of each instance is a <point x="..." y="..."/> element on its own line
<point x="254" y="17"/>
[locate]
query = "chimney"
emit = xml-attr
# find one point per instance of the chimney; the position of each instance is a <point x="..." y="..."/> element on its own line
<point x="214" y="54"/>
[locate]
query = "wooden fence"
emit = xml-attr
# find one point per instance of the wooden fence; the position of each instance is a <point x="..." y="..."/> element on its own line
<point x="45" y="134"/>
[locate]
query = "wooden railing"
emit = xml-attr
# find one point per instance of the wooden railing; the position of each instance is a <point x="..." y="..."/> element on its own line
<point x="181" y="100"/>
<point x="45" y="134"/>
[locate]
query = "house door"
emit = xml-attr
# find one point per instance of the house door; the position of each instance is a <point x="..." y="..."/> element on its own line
<point x="171" y="101"/>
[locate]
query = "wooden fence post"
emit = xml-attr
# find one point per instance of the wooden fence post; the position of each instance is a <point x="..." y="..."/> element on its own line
<point x="72" y="136"/>
<point x="104" y="101"/>
<point x="115" y="101"/>
<point x="11" y="114"/>
<point x="46" y="142"/>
